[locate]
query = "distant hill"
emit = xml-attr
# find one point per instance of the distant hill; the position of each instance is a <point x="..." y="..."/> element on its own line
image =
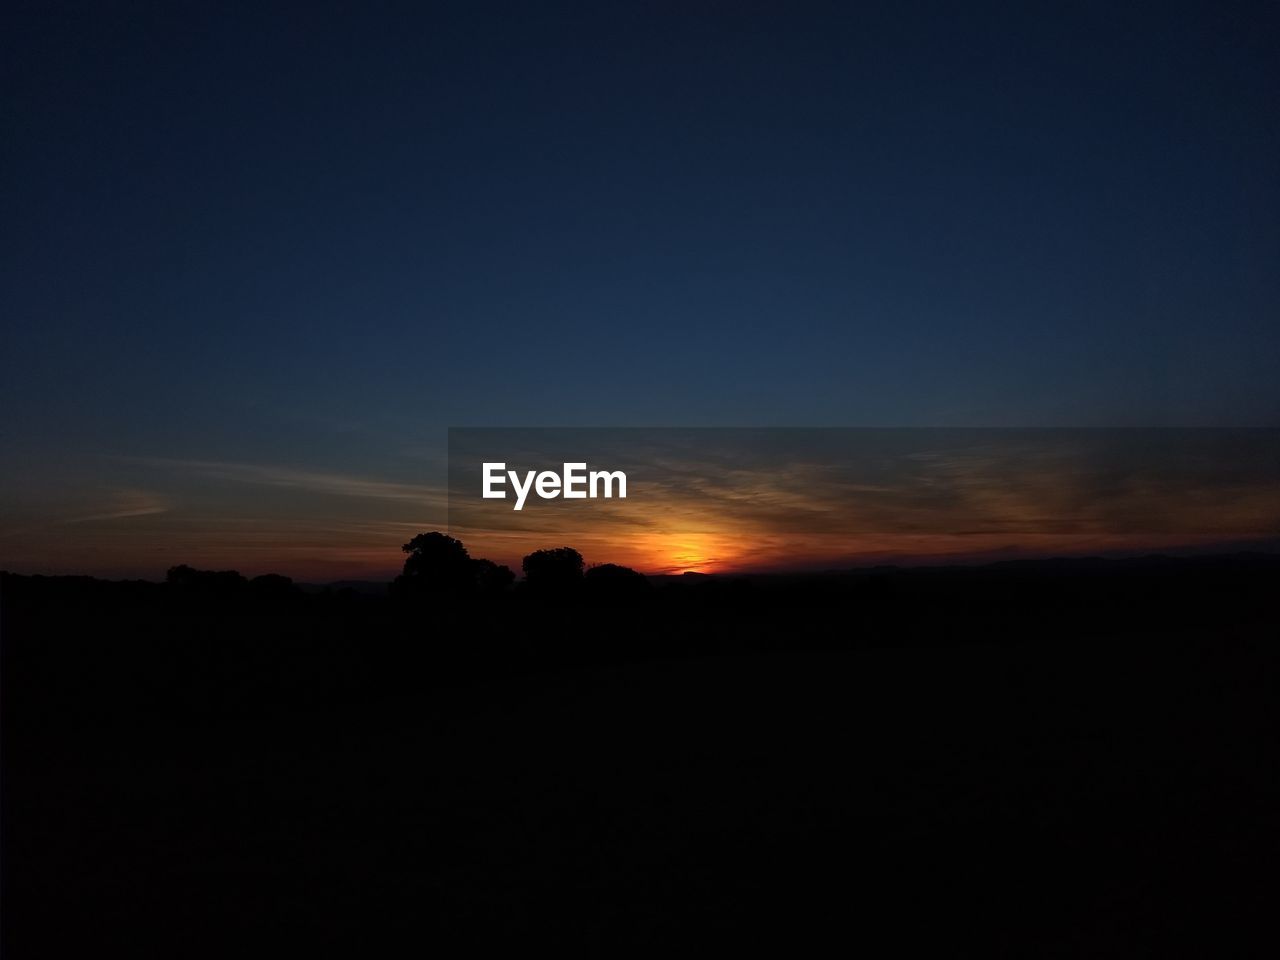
<point x="1244" y="560"/>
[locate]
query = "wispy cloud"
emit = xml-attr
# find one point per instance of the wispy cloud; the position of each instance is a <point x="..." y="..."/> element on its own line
<point x="128" y="503"/>
<point x="335" y="484"/>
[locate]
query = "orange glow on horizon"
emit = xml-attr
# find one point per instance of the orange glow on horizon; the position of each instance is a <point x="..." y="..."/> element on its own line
<point x="687" y="553"/>
<point x="674" y="553"/>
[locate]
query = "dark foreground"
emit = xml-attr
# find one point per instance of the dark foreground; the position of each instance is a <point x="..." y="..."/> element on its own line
<point x="1036" y="760"/>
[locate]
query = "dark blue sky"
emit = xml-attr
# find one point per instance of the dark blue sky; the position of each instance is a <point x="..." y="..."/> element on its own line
<point x="311" y="238"/>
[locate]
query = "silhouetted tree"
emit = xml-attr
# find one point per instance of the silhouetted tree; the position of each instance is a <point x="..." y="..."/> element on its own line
<point x="181" y="575"/>
<point x="436" y="565"/>
<point x="491" y="578"/>
<point x="557" y="569"/>
<point x="273" y="583"/>
<point x="611" y="582"/>
<point x="272" y="588"/>
<point x="210" y="583"/>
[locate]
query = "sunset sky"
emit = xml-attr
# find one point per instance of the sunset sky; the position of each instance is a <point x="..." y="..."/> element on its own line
<point x="762" y="499"/>
<point x="257" y="263"/>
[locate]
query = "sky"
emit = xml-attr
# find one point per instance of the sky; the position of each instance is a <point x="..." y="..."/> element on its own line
<point x="257" y="260"/>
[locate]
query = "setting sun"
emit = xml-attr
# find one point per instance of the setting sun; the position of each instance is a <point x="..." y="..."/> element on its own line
<point x="683" y="552"/>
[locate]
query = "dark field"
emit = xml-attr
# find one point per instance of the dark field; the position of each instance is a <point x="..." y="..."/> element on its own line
<point x="1057" y="759"/>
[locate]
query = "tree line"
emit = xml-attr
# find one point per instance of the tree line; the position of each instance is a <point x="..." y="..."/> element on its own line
<point x="437" y="565"/>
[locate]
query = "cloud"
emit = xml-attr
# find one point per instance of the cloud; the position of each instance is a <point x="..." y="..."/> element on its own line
<point x="128" y="503"/>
